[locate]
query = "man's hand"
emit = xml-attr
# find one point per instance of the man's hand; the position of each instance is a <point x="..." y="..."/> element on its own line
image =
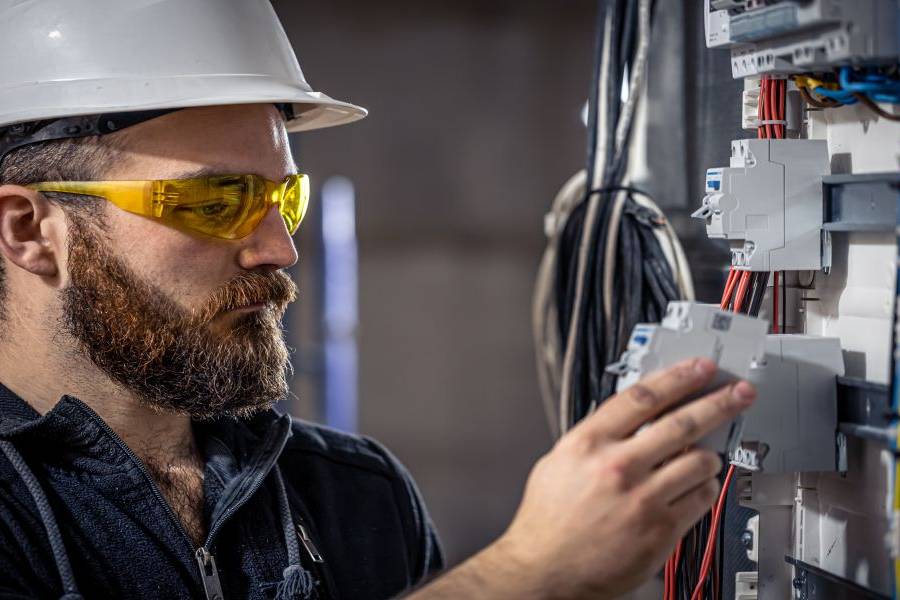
<point x="604" y="508"/>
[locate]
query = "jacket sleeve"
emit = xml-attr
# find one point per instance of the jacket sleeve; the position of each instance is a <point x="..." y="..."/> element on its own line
<point x="426" y="557"/>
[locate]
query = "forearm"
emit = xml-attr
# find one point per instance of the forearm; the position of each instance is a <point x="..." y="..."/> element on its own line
<point x="489" y="575"/>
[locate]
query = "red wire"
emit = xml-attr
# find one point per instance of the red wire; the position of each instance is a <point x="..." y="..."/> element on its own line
<point x="713" y="532"/>
<point x="667" y="584"/>
<point x="775" y="328"/>
<point x="670" y="572"/>
<point x="729" y="287"/>
<point x="779" y="107"/>
<point x="767" y="111"/>
<point x="742" y="291"/>
<point x="782" y="106"/>
<point x="760" y="109"/>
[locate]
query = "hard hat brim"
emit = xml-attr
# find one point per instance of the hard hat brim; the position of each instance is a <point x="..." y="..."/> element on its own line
<point x="313" y="110"/>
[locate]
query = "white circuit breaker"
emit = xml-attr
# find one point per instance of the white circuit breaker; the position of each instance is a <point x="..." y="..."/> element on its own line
<point x="801" y="35"/>
<point x="768" y="204"/>
<point x="792" y="425"/>
<point x="734" y="341"/>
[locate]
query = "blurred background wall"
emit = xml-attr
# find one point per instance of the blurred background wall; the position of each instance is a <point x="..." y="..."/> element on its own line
<point x="475" y="123"/>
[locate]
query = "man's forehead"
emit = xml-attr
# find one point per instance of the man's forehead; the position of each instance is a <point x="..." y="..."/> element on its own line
<point x="205" y="141"/>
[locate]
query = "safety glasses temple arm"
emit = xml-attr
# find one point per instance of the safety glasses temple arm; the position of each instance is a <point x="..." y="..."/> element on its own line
<point x="132" y="196"/>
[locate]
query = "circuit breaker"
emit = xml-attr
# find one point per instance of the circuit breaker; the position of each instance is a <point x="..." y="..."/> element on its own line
<point x="793" y="423"/>
<point x="796" y="36"/>
<point x="734" y="341"/>
<point x="768" y="204"/>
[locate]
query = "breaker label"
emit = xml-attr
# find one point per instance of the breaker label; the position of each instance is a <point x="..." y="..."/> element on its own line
<point x="713" y="180"/>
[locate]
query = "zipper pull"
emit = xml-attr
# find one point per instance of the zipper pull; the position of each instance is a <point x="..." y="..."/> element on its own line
<point x="209" y="574"/>
<point x="308" y="544"/>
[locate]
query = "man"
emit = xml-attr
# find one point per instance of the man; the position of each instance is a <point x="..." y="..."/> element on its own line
<point x="142" y="290"/>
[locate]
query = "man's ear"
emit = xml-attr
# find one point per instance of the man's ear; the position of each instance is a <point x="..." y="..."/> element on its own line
<point x="32" y="231"/>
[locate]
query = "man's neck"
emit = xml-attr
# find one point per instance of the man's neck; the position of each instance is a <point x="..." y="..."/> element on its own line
<point x="40" y="368"/>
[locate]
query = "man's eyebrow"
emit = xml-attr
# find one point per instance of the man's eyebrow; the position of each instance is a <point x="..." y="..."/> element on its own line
<point x="207" y="171"/>
<point x="214" y="170"/>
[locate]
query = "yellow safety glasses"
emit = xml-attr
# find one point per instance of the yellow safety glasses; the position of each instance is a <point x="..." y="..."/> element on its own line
<point x="223" y="206"/>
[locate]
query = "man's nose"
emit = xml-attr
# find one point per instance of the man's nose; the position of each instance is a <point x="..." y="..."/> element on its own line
<point x="269" y="246"/>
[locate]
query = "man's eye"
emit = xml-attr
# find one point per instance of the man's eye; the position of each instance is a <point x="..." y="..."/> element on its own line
<point x="212" y="209"/>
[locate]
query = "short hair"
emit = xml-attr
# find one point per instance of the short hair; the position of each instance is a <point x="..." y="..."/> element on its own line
<point x="77" y="159"/>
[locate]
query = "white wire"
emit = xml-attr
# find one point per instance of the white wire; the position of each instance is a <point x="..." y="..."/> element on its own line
<point x="623" y="131"/>
<point x="543" y="315"/>
<point x="555" y="373"/>
<point x="566" y="395"/>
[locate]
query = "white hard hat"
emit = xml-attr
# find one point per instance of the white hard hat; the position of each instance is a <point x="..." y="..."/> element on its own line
<point x="63" y="58"/>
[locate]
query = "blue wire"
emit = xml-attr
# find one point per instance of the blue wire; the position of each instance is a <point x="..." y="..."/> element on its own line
<point x="872" y="83"/>
<point x="840" y="95"/>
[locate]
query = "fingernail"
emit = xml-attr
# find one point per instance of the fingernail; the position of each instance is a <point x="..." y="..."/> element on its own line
<point x="743" y="393"/>
<point x="704" y="367"/>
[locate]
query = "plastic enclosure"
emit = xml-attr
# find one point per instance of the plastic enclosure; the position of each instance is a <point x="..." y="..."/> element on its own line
<point x="793" y="423"/>
<point x="733" y="341"/>
<point x="793" y="37"/>
<point x="768" y="204"/>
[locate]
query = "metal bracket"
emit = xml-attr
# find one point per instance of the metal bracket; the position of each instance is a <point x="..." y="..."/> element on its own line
<point x="860" y="202"/>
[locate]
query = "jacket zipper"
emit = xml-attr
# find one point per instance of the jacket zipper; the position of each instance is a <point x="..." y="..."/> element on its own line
<point x="209" y="574"/>
<point x="315" y="556"/>
<point x="308" y="544"/>
<point x="212" y="587"/>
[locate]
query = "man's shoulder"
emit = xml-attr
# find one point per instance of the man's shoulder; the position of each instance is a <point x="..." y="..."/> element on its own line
<point x="316" y="442"/>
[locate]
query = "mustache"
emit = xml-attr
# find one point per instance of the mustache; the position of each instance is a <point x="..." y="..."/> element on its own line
<point x="274" y="288"/>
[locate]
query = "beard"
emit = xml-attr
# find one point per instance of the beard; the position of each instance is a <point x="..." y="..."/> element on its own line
<point x="174" y="359"/>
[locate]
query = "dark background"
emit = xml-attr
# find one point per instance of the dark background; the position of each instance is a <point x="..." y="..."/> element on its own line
<point x="475" y="123"/>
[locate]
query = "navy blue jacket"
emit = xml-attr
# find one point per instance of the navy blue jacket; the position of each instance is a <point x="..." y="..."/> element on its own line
<point x="293" y="510"/>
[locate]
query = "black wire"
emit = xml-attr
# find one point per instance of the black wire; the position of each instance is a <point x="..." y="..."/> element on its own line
<point x="643" y="282"/>
<point x="783" y="280"/>
<point x="760" y="283"/>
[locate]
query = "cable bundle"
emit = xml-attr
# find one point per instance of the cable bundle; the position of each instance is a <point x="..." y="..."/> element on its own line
<point x="612" y="259"/>
<point x="849" y="86"/>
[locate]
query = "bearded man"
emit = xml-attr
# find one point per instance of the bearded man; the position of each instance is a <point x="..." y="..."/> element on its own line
<point x="145" y="227"/>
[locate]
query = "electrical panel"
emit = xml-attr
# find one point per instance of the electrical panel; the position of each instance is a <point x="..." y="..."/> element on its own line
<point x="793" y="36"/>
<point x="792" y="426"/>
<point x="768" y="204"/>
<point x="810" y="202"/>
<point x="734" y="341"/>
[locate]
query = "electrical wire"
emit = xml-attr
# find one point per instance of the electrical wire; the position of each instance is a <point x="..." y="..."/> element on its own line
<point x="775" y="328"/>
<point x="710" y="542"/>
<point x="612" y="259"/>
<point x="684" y="578"/>
<point x="873" y="106"/>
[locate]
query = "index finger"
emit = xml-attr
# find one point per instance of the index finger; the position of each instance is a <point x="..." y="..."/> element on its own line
<point x="624" y="413"/>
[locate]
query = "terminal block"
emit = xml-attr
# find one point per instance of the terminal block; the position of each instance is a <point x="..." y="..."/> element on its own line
<point x="768" y="204"/>
<point x="793" y="423"/>
<point x="734" y="341"/>
<point x="792" y="36"/>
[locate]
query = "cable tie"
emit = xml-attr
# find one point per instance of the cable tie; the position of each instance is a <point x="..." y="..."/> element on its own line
<point x="758" y="123"/>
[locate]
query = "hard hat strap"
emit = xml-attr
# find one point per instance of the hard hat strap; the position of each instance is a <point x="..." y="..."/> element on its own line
<point x="34" y="132"/>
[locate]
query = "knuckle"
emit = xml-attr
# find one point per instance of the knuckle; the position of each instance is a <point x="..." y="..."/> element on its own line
<point x="707" y="462"/>
<point x="685" y="424"/>
<point x="579" y="443"/>
<point x="722" y="401"/>
<point x="614" y="474"/>
<point x="684" y="370"/>
<point x="643" y="396"/>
